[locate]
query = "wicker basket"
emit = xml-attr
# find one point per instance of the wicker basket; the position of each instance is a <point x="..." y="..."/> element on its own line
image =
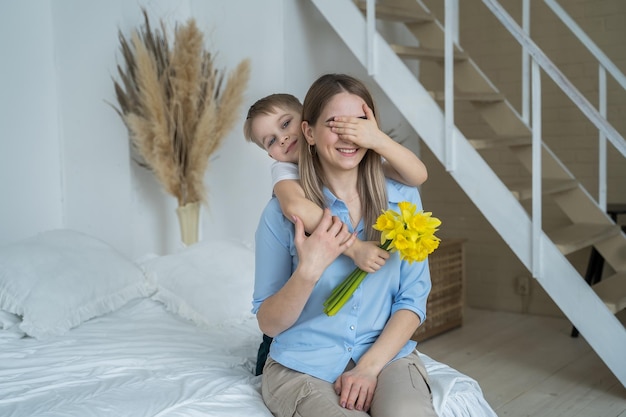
<point x="444" y="310"/>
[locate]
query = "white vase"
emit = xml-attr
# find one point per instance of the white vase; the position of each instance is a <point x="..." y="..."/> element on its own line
<point x="189" y="219"/>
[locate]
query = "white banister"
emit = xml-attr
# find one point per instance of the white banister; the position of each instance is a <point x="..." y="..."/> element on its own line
<point x="602" y="140"/>
<point x="525" y="64"/>
<point x="589" y="44"/>
<point x="605" y="64"/>
<point x="450" y="148"/>
<point x="557" y="76"/>
<point x="537" y="251"/>
<point x="371" y="36"/>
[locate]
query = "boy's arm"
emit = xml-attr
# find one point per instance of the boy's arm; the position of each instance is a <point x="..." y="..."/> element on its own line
<point x="293" y="202"/>
<point x="400" y="163"/>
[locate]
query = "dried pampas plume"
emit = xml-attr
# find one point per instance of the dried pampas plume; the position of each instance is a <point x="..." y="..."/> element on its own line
<point x="176" y="104"/>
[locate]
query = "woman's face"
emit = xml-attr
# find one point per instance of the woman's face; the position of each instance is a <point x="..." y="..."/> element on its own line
<point x="335" y="153"/>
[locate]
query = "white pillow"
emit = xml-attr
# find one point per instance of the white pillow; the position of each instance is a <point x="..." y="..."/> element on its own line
<point x="209" y="283"/>
<point x="8" y="320"/>
<point x="10" y="326"/>
<point x="58" y="279"/>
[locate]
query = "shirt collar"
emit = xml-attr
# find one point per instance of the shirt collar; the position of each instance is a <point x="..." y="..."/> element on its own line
<point x="393" y="195"/>
<point x="330" y="197"/>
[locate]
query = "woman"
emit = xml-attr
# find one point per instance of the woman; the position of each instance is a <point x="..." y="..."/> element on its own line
<point x="360" y="360"/>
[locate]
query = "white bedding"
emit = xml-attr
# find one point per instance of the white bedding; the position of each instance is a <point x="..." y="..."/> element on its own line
<point x="142" y="360"/>
<point x="86" y="332"/>
<point x="137" y="361"/>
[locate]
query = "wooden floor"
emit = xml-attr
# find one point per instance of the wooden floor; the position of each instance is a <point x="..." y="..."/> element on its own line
<point x="530" y="366"/>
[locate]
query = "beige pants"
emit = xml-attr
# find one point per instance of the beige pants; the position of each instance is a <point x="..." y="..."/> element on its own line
<point x="402" y="391"/>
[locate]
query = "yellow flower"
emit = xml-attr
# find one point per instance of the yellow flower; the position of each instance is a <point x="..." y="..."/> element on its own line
<point x="407" y="210"/>
<point x="387" y="223"/>
<point x="411" y="234"/>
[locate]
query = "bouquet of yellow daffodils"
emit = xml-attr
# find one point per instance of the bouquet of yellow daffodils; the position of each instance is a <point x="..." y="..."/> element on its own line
<point x="411" y="234"/>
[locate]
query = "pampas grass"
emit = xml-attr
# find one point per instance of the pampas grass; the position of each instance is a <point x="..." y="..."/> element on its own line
<point x="178" y="107"/>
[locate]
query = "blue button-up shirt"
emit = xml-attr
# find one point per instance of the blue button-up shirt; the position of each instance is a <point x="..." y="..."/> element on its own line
<point x="319" y="345"/>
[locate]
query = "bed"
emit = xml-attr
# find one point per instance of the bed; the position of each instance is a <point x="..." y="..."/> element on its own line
<point x="85" y="331"/>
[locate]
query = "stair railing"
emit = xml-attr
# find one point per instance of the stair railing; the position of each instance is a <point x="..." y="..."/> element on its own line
<point x="597" y="117"/>
<point x="538" y="61"/>
<point x="371" y="36"/>
<point x="604" y="65"/>
<point x="557" y="76"/>
<point x="452" y="9"/>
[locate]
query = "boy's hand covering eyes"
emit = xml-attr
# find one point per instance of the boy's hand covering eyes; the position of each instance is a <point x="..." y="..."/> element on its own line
<point x="363" y="131"/>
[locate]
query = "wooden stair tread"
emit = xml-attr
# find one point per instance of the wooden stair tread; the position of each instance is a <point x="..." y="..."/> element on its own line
<point x="612" y="291"/>
<point x="500" y="142"/>
<point x="523" y="190"/>
<point x="578" y="236"/>
<point x="483" y="97"/>
<point x="416" y="52"/>
<point x="397" y="14"/>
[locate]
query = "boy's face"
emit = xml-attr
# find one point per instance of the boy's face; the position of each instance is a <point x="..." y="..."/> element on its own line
<point x="278" y="133"/>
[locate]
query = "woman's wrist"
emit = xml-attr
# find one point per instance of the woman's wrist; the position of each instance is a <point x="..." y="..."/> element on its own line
<point x="307" y="274"/>
<point x="371" y="366"/>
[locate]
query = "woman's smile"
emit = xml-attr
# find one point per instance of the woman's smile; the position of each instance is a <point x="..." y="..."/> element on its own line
<point x="347" y="151"/>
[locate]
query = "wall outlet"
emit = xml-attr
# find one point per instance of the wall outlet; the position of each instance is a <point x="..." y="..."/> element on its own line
<point x="522" y="285"/>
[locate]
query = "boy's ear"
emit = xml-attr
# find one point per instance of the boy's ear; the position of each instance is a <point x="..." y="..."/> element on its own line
<point x="308" y="133"/>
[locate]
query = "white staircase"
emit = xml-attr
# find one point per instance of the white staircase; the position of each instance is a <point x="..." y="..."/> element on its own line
<point x="542" y="253"/>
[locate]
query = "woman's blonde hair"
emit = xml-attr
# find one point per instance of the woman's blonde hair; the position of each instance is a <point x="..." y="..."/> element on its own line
<point x="371" y="180"/>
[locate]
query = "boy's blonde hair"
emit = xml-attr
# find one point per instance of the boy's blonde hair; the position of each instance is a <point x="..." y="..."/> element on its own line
<point x="268" y="105"/>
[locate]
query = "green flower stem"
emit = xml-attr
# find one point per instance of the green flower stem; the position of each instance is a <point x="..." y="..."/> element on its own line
<point x="341" y="288"/>
<point x="345" y="295"/>
<point x="342" y="293"/>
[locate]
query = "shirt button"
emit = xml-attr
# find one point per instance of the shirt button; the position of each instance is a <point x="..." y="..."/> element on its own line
<point x="351" y="327"/>
<point x="355" y="307"/>
<point x="349" y="349"/>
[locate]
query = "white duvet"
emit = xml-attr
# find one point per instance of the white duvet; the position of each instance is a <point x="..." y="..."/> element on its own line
<point x="144" y="361"/>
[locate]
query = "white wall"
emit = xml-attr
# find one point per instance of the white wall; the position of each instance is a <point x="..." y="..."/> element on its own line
<point x="30" y="168"/>
<point x="65" y="157"/>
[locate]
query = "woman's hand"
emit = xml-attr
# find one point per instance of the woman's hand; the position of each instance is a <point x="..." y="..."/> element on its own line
<point x="367" y="255"/>
<point x="331" y="237"/>
<point x="363" y="132"/>
<point x="317" y="251"/>
<point x="355" y="388"/>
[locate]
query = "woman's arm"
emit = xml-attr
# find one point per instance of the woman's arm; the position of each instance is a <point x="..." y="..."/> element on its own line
<point x="329" y="239"/>
<point x="293" y="203"/>
<point x="356" y="387"/>
<point x="401" y="164"/>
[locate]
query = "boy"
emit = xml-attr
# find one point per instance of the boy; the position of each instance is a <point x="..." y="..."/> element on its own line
<point x="274" y="124"/>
